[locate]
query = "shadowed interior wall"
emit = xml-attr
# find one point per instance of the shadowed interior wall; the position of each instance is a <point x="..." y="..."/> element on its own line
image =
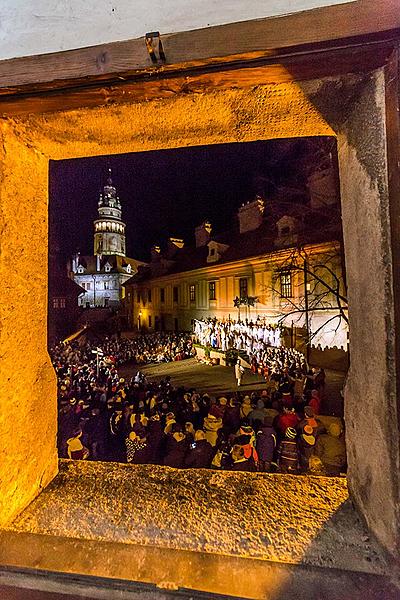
<point x="371" y="408"/>
<point x="265" y="112"/>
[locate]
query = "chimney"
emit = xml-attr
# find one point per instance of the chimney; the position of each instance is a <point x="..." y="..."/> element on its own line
<point x="173" y="245"/>
<point x="202" y="234"/>
<point x="155" y="253"/>
<point x="251" y="215"/>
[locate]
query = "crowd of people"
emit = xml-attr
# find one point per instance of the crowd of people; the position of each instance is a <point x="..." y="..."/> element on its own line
<point x="104" y="417"/>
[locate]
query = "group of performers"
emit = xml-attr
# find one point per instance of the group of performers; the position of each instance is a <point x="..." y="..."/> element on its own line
<point x="260" y="341"/>
<point x="240" y="335"/>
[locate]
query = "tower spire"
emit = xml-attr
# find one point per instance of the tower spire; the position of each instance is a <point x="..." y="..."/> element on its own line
<point x="109" y="229"/>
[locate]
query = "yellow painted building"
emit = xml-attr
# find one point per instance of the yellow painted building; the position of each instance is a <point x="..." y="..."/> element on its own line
<point x="290" y="281"/>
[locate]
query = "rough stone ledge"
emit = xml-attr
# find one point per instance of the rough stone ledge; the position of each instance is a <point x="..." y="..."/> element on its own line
<point x="304" y="520"/>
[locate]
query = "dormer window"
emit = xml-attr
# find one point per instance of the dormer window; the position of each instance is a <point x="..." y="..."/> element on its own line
<point x="80" y="269"/>
<point x="215" y="251"/>
<point x="107" y="268"/>
<point x="128" y="269"/>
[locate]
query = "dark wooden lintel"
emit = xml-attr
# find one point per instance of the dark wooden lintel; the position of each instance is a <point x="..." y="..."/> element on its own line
<point x="297" y="67"/>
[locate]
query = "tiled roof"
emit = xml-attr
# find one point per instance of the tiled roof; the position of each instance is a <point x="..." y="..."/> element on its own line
<point x="118" y="263"/>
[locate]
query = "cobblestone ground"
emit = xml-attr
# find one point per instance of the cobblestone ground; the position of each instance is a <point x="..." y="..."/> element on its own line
<point x="218" y="380"/>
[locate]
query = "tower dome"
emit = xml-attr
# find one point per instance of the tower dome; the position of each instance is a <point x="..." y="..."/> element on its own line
<point x="109" y="229"/>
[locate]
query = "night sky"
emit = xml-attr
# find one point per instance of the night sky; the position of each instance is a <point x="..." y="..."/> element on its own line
<point x="169" y="192"/>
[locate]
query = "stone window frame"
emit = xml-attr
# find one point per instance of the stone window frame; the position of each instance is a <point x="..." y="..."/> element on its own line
<point x="35" y="132"/>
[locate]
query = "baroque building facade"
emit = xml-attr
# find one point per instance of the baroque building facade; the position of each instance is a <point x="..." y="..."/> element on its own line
<point x="103" y="274"/>
<point x="294" y="275"/>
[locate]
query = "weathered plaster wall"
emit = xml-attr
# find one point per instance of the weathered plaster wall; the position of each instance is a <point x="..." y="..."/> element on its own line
<point x="28" y="418"/>
<point x="265" y="112"/>
<point x="50" y="25"/>
<point x="370" y="397"/>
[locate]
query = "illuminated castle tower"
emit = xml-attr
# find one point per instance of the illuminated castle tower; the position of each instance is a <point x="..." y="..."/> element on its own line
<point x="102" y="275"/>
<point x="109" y="229"/>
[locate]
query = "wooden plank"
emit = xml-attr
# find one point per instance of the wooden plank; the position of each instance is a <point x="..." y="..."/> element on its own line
<point x="222" y="44"/>
<point x="292" y="68"/>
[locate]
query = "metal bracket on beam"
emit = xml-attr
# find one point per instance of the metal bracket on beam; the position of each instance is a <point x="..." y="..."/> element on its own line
<point x="154" y="47"/>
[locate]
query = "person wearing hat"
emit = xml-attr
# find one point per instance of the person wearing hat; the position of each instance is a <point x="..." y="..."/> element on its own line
<point x="288" y="453"/>
<point x="211" y="427"/>
<point x="306" y="446"/>
<point x="138" y="449"/>
<point x="246" y="407"/>
<point x="258" y="413"/>
<point x="331" y="449"/>
<point x="75" y="449"/>
<point x="239" y="461"/>
<point x="176" y="447"/>
<point x="287" y="419"/>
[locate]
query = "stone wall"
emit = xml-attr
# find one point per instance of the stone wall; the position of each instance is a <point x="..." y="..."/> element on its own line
<point x="353" y="107"/>
<point x="371" y="405"/>
<point x="28" y="417"/>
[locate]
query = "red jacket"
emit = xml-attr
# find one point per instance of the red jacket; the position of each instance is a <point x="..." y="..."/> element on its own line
<point x="287" y="420"/>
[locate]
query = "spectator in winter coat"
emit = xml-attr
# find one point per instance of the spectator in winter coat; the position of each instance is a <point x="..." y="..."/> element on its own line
<point x="176" y="448"/>
<point x="155" y="437"/>
<point x="266" y="444"/>
<point x="239" y="461"/>
<point x="246" y="407"/>
<point x="138" y="450"/>
<point x="315" y="402"/>
<point x="211" y="426"/>
<point x="288" y="454"/>
<point x="200" y="452"/>
<point x="75" y="449"/>
<point x="247" y="442"/>
<point x="258" y="414"/>
<point x="287" y="419"/>
<point x="306" y="446"/>
<point x="331" y="449"/>
<point x="231" y="418"/>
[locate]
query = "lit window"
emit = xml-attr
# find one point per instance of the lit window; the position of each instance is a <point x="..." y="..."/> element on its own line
<point x="286" y="284"/>
<point x="212" y="290"/>
<point x="192" y="292"/>
<point x="88" y="286"/>
<point x="58" y="302"/>
<point x="149" y="320"/>
<point x="106" y="285"/>
<point x="243" y="287"/>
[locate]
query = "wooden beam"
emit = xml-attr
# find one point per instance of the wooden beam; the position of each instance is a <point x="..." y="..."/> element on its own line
<point x="249" y="40"/>
<point x="359" y="60"/>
